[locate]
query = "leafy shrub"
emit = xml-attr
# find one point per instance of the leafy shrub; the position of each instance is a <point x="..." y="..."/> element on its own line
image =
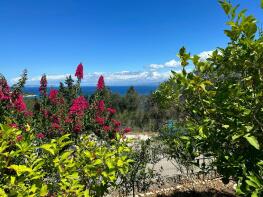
<point x="221" y="103"/>
<point x="67" y="146"/>
<point x="30" y="167"/>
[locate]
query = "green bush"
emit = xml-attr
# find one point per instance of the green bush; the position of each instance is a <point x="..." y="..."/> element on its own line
<point x="221" y="103"/>
<point x="31" y="167"/>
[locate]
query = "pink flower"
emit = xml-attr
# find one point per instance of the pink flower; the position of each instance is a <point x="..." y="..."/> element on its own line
<point x="40" y="135"/>
<point x="101" y="105"/>
<point x="116" y="123"/>
<point x="111" y="110"/>
<point x="100" y="120"/>
<point x="19" y="104"/>
<point x="78" y="106"/>
<point x="53" y="96"/>
<point x="43" y="85"/>
<point x="100" y="84"/>
<point x="28" y="113"/>
<point x="106" y="128"/>
<point x="77" y="128"/>
<point x="13" y="125"/>
<point x="55" y="126"/>
<point x="19" y="138"/>
<point x="55" y="119"/>
<point x="68" y="120"/>
<point x="127" y="130"/>
<point x="4" y="90"/>
<point x="45" y="113"/>
<point x="79" y="71"/>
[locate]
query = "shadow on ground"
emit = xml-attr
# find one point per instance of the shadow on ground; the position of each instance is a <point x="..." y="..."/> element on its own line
<point x="212" y="193"/>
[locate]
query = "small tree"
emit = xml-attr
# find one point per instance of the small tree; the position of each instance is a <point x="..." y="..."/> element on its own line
<point x="221" y="103"/>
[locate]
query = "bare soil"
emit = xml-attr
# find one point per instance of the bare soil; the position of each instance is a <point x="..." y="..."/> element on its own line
<point x="198" y="188"/>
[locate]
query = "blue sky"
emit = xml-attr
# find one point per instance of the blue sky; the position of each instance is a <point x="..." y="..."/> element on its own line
<point x="129" y="41"/>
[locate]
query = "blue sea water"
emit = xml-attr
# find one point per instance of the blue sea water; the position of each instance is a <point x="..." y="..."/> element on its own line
<point x="88" y="90"/>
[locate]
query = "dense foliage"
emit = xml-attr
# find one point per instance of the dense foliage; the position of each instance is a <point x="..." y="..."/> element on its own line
<point x="66" y="146"/>
<point x="221" y="104"/>
<point x="141" y="112"/>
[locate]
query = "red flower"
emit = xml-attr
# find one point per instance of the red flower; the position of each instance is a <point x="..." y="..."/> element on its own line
<point x="127" y="130"/>
<point x="55" y="119"/>
<point x="79" y="106"/>
<point x="40" y="135"/>
<point x="79" y="71"/>
<point x="45" y="113"/>
<point x="106" y="128"/>
<point x="19" y="138"/>
<point x="28" y="114"/>
<point x="53" y="96"/>
<point x="68" y="120"/>
<point x="55" y="126"/>
<point x="4" y="90"/>
<point x="19" y="104"/>
<point x="77" y="128"/>
<point x="111" y="110"/>
<point x="101" y="105"/>
<point x="13" y="125"/>
<point x="100" y="120"/>
<point x="43" y="85"/>
<point x="100" y="84"/>
<point x="116" y="123"/>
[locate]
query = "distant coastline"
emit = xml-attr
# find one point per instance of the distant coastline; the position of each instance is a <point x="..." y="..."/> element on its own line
<point x="33" y="91"/>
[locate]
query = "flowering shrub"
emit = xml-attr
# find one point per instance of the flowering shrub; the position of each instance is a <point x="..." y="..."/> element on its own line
<point x="63" y="111"/>
<point x="67" y="146"/>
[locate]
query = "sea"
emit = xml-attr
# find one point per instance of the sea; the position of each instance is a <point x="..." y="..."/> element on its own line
<point x="89" y="90"/>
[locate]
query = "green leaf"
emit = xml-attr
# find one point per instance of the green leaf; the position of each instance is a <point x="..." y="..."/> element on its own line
<point x="120" y="163"/>
<point x="109" y="164"/>
<point x="252" y="140"/>
<point x="251" y="183"/>
<point x="236" y="136"/>
<point x="20" y="169"/>
<point x="254" y="194"/>
<point x="33" y="188"/>
<point x="254" y="179"/>
<point x="65" y="155"/>
<point x="43" y="190"/>
<point x="97" y="162"/>
<point x="226" y="6"/>
<point x="49" y="148"/>
<point x="185" y="138"/>
<point x="225" y="126"/>
<point x="86" y="193"/>
<point x="261" y="4"/>
<point x="12" y="180"/>
<point x="2" y="193"/>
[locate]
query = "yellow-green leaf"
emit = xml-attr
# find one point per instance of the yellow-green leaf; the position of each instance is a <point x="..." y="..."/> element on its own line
<point x="20" y="169"/>
<point x="43" y="190"/>
<point x="252" y="140"/>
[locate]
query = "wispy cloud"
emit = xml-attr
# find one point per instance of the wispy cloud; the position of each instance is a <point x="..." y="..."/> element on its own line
<point x="153" y="73"/>
<point x="170" y="64"/>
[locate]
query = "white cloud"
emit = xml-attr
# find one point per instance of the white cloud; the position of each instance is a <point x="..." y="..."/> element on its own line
<point x="156" y="66"/>
<point x="204" y="55"/>
<point x="51" y="77"/>
<point x="152" y="73"/>
<point x="172" y="63"/>
<point x="122" y="77"/>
